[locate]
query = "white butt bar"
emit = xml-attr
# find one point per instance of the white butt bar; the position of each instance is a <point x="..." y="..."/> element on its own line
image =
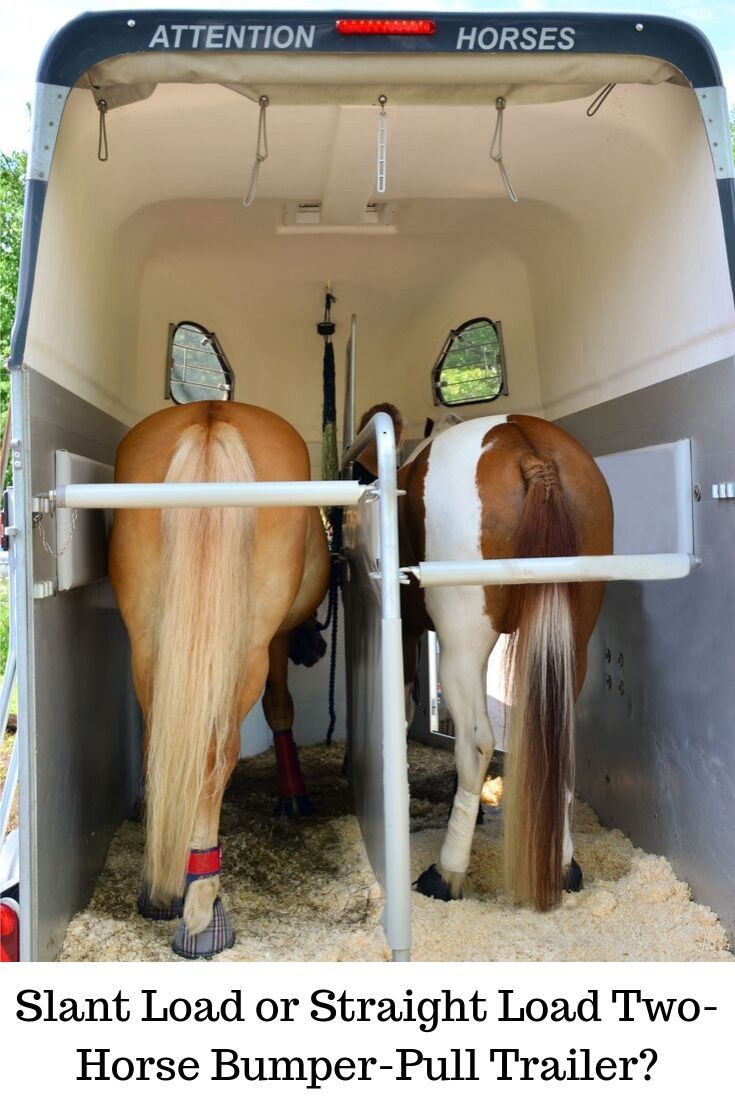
<point x="172" y="495"/>
<point x="579" y="568"/>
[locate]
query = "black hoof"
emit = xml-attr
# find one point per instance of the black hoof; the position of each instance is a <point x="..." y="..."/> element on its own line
<point x="430" y="883"/>
<point x="147" y="909"/>
<point x="573" y="881"/>
<point x="293" y="807"/>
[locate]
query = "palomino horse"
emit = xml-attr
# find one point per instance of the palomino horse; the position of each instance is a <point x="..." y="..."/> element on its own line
<point x="505" y="487"/>
<point x="209" y="597"/>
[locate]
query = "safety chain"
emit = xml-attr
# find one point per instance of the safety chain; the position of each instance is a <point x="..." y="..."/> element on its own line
<point x="38" y="523"/>
<point x="496" y="149"/>
<point x="261" y="152"/>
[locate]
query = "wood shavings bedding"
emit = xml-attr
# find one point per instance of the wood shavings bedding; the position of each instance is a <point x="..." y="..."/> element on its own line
<point x="303" y="890"/>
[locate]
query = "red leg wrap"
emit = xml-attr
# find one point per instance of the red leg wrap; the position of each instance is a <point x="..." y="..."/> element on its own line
<point x="290" y="778"/>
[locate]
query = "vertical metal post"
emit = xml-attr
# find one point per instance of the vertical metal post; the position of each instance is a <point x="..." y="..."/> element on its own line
<point x="395" y="763"/>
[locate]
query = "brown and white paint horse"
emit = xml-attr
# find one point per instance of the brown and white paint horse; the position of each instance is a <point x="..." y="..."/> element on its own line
<point x="209" y="598"/>
<point x="489" y="488"/>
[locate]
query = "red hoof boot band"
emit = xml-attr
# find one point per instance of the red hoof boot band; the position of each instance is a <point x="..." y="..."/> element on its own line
<point x="203" y="863"/>
<point x="290" y="778"/>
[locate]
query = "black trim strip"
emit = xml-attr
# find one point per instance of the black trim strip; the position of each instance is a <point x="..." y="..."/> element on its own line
<point x="93" y="37"/>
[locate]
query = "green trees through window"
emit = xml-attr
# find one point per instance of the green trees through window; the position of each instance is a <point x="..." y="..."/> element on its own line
<point x="470" y="366"/>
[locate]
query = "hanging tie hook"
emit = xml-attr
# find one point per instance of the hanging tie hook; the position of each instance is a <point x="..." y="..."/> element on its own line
<point x="382" y="146"/>
<point x="102" y="152"/>
<point x="496" y="149"/>
<point x="598" y="101"/>
<point x="326" y="327"/>
<point x="261" y="152"/>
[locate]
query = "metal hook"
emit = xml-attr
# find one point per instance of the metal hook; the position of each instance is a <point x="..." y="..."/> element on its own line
<point x="382" y="146"/>
<point x="102" y="150"/>
<point x="496" y="149"/>
<point x="261" y="152"/>
<point x="598" y="101"/>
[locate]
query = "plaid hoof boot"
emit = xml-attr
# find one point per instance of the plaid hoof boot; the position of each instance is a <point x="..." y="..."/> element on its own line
<point x="217" y="937"/>
<point x="147" y="909"/>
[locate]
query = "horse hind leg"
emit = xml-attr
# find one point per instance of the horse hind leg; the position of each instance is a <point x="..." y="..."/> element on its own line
<point x="279" y="713"/>
<point x="205" y="928"/>
<point x="463" y="676"/>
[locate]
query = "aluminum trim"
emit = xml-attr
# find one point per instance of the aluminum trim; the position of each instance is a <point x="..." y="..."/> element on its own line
<point x="48" y="107"/>
<point x="21" y="582"/>
<point x="716" y="116"/>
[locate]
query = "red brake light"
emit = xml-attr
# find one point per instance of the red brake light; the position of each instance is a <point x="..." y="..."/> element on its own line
<point x="386" y="26"/>
<point x="9" y="934"/>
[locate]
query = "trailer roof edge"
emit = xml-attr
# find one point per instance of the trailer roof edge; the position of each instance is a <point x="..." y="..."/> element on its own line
<point x="95" y="36"/>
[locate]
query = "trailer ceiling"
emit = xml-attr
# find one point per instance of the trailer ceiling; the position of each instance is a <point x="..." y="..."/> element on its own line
<point x="609" y="274"/>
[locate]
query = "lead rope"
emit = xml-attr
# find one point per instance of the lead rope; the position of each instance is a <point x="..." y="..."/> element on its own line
<point x="261" y="152"/>
<point x="332" y="515"/>
<point x="332" y="620"/>
<point x="496" y="149"/>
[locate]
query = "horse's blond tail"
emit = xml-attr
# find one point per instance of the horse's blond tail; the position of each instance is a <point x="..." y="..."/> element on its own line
<point x="542" y="672"/>
<point x="198" y="650"/>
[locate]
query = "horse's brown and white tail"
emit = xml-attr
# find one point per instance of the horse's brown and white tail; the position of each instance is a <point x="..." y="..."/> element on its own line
<point x="541" y="674"/>
<point x="198" y="650"/>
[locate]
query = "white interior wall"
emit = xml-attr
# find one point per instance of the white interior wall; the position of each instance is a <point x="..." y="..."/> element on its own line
<point x="84" y="315"/>
<point x="629" y="281"/>
<point x="608" y="275"/>
<point x="263" y="294"/>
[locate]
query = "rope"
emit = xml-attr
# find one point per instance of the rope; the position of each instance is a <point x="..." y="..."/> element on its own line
<point x="334" y="613"/>
<point x="332" y="516"/>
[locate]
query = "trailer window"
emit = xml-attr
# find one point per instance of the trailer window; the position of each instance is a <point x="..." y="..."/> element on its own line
<point x="197" y="368"/>
<point x="470" y="366"/>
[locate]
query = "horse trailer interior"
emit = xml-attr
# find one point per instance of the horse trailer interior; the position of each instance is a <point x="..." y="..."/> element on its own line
<point x="612" y="276"/>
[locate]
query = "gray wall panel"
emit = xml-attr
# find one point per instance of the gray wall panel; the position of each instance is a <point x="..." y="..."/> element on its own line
<point x="658" y="759"/>
<point x="87" y="740"/>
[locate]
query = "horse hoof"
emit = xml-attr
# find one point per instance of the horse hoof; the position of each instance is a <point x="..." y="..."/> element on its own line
<point x="293" y="807"/>
<point x="431" y="883"/>
<point x="148" y="909"/>
<point x="573" y="880"/>
<point x="217" y="937"/>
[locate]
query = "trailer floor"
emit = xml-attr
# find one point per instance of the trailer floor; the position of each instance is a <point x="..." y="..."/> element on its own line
<point x="304" y="890"/>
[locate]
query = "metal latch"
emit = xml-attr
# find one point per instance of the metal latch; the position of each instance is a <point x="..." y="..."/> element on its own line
<point x="8" y="529"/>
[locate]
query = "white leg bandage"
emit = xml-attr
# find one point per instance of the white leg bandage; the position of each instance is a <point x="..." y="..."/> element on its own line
<point x="455" y="854"/>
